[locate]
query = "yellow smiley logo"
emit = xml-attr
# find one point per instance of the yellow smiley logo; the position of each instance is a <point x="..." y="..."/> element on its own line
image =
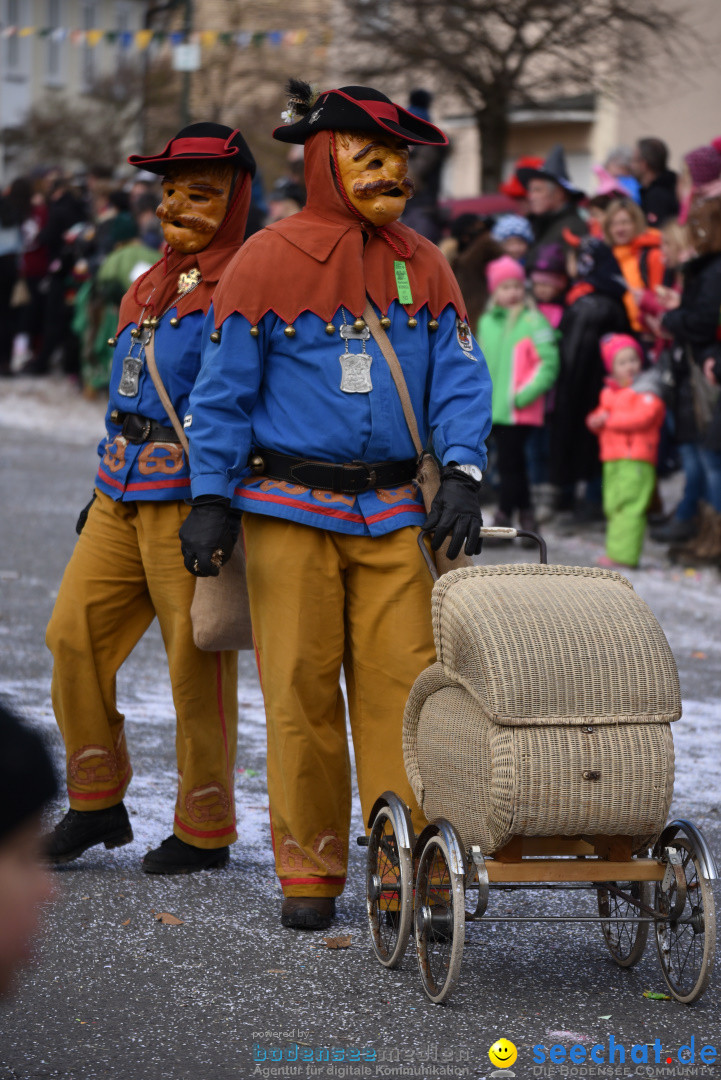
<point x="503" y="1053"/>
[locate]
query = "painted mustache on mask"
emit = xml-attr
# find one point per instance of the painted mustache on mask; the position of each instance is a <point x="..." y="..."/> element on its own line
<point x="383" y="186"/>
<point x="185" y="221"/>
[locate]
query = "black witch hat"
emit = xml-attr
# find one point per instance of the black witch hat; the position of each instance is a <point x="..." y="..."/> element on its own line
<point x="553" y="168"/>
<point x="200" y="142"/>
<point x="351" y="108"/>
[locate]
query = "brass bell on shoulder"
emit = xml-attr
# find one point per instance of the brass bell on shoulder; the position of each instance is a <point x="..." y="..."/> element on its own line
<point x="433" y="325"/>
<point x="359" y="324"/>
<point x="175" y="321"/>
<point x="412" y="322"/>
<point x="385" y="322"/>
<point x="112" y="342"/>
<point x="289" y="331"/>
<point x="135" y="332"/>
<point x="254" y="331"/>
<point x="215" y="337"/>
<point x="330" y="328"/>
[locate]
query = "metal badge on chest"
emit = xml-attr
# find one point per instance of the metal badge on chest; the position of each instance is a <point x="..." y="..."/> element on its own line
<point x="355" y="367"/>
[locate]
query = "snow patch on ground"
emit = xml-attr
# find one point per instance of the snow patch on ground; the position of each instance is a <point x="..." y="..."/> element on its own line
<point x="54" y="406"/>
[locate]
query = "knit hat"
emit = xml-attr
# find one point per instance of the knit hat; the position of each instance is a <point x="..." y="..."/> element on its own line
<point x="27" y="778"/>
<point x="512" y="225"/>
<point x="613" y="343"/>
<point x="503" y="269"/>
<point x="704" y="164"/>
<point x="550" y="259"/>
<point x="123" y="228"/>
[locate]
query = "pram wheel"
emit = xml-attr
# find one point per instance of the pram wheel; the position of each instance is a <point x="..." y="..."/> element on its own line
<point x="626" y="940"/>
<point x="439" y="910"/>
<point x="389" y="880"/>
<point x="686" y="942"/>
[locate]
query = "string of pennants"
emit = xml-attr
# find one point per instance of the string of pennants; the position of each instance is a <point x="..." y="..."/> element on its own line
<point x="142" y="39"/>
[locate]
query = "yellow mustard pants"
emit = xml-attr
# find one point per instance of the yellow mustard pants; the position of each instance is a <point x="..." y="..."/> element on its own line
<point x="126" y="569"/>
<point x="321" y="601"/>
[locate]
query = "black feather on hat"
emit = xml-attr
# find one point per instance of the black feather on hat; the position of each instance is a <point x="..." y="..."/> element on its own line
<point x="351" y="108"/>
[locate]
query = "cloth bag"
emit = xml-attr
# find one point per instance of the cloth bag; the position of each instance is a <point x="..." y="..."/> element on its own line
<point x="220" y="611"/>
<point x="428" y="476"/>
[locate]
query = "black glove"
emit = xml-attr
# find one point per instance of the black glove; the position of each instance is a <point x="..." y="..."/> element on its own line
<point x="83" y="516"/>
<point x="456" y="512"/>
<point x="208" y="535"/>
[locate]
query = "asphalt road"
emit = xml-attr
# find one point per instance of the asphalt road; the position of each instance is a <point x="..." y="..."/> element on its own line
<point x="114" y="994"/>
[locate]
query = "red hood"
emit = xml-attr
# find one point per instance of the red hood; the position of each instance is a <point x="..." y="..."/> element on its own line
<point x="154" y="292"/>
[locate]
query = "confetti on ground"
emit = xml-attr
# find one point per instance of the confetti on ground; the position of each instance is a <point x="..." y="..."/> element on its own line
<point x="341" y="942"/>
<point x="655" y="996"/>
<point x="167" y="919"/>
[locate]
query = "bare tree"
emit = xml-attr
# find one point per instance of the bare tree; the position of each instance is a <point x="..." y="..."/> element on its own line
<point x="498" y="54"/>
<point x="97" y="128"/>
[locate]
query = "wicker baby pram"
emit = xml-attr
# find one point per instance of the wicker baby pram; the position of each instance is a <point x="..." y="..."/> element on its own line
<point x="548" y="711"/>
<point x="539" y="748"/>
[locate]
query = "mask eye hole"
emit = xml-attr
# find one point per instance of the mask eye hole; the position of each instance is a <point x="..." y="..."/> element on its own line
<point x="198" y="198"/>
<point x="376" y="163"/>
<point x="169" y="192"/>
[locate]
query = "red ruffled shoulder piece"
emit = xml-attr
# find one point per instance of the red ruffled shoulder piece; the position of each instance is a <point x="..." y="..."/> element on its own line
<point x="317" y="260"/>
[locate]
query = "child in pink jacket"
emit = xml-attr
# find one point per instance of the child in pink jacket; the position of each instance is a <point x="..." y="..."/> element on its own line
<point x="628" y="423"/>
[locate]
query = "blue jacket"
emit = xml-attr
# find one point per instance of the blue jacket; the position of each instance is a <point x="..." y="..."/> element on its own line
<point x="283" y="393"/>
<point x="130" y="471"/>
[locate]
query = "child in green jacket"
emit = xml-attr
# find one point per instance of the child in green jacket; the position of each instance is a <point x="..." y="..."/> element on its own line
<point x="519" y="345"/>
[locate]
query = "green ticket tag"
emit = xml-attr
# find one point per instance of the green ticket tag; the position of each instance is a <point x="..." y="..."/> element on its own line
<point x="404" y="286"/>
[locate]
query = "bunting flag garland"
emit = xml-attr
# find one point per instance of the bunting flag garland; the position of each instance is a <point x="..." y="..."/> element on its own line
<point x="142" y="39"/>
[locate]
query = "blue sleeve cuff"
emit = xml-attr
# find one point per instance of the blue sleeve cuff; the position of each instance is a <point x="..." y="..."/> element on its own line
<point x="210" y="484"/>
<point x="464" y="456"/>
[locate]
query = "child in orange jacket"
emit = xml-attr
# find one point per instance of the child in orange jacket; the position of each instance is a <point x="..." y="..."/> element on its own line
<point x="628" y="423"/>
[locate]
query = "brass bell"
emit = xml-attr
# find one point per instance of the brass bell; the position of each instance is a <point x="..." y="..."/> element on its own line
<point x="359" y="324"/>
<point x="412" y="322"/>
<point x="112" y="342"/>
<point x="289" y="331"/>
<point x="115" y="417"/>
<point x="135" y="332"/>
<point x="254" y="331"/>
<point x="215" y="337"/>
<point x="257" y="464"/>
<point x="385" y="322"/>
<point x="148" y="323"/>
<point x="154" y="322"/>
<point x="175" y="321"/>
<point x="433" y="325"/>
<point x="329" y="328"/>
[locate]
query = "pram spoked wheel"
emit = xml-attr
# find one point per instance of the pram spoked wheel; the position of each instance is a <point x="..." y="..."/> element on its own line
<point x="439" y="909"/>
<point x="686" y="940"/>
<point x="626" y="940"/>
<point x="389" y="878"/>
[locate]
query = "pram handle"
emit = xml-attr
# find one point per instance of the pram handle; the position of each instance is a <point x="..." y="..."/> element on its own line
<point x="497" y="532"/>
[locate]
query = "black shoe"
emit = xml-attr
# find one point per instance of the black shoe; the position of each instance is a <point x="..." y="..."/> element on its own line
<point x="307" y="912"/>
<point x="674" y="531"/>
<point x="174" y="856"/>
<point x="83" y="829"/>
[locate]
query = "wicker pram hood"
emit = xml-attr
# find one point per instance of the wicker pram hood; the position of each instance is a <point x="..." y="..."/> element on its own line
<point x="553" y="645"/>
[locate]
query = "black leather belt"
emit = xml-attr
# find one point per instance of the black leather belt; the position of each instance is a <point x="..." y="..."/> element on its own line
<point x="348" y="479"/>
<point x="141" y="429"/>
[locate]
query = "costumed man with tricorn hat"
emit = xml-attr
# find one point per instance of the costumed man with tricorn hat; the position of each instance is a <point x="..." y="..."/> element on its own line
<point x="127" y="567"/>
<point x="296" y="404"/>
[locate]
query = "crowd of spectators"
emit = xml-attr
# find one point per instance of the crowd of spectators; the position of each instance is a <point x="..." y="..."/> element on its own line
<point x="544" y="288"/>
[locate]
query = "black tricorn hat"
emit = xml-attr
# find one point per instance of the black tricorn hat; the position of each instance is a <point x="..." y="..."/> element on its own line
<point x="353" y="108"/>
<point x="200" y="142"/>
<point x="553" y="168"/>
